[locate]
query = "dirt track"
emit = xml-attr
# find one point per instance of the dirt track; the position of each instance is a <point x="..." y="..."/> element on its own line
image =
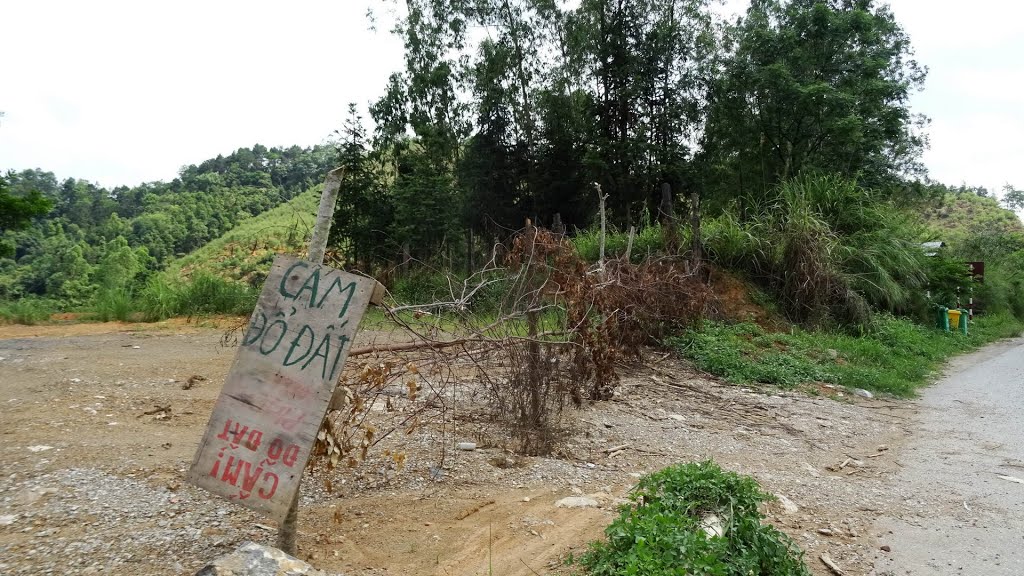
<point x="92" y="484"/>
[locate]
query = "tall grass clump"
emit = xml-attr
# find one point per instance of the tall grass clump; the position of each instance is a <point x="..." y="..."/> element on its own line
<point x="26" y="310"/>
<point x="115" y="304"/>
<point x="206" y="293"/>
<point x="830" y="250"/>
<point x="648" y="240"/>
<point x="694" y="519"/>
<point x="203" y="293"/>
<point x="159" y="299"/>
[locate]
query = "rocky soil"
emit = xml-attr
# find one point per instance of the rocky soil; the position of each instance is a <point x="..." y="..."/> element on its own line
<point x="98" y="430"/>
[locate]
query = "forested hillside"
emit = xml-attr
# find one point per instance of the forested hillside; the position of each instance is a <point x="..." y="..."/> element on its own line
<point x="93" y="239"/>
<point x="780" y="145"/>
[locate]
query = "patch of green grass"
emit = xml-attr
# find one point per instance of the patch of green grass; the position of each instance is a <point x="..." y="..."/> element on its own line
<point x="27" y="311"/>
<point x="896" y="356"/>
<point x="648" y="240"/>
<point x="114" y="305"/>
<point x="246" y="251"/>
<point x="204" y="293"/>
<point x="209" y="294"/>
<point x="662" y="530"/>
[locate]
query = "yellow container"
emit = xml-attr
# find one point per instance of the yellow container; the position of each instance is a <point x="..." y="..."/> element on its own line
<point x="954" y="318"/>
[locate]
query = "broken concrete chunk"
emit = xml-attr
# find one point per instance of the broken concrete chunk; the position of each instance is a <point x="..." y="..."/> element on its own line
<point x="251" y="559"/>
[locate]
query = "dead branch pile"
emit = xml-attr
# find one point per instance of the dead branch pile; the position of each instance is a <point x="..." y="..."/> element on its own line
<point x="551" y="335"/>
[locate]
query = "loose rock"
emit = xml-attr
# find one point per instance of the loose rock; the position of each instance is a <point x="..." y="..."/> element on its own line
<point x="788" y="506"/>
<point x="251" y="559"/>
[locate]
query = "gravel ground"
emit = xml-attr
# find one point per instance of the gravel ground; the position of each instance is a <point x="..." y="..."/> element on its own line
<point x="80" y="495"/>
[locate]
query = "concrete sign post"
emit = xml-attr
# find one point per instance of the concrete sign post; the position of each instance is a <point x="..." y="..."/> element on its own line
<point x="275" y="397"/>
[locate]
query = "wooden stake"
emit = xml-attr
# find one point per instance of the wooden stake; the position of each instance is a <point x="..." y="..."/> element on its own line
<point x="601" y="197"/>
<point x="317" y="247"/>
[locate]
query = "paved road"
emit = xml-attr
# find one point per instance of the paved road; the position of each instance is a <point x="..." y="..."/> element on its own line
<point x="970" y="430"/>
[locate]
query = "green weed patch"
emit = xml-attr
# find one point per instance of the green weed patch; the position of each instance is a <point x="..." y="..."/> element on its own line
<point x="693" y="519"/>
<point x="896" y="356"/>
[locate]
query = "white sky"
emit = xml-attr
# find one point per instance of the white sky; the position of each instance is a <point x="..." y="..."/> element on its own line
<point x="126" y="92"/>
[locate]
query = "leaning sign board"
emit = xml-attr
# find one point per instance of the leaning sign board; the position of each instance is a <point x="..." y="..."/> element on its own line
<point x="275" y="397"/>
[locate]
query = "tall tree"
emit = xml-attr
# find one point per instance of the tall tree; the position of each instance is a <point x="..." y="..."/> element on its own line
<point x="814" y="84"/>
<point x="363" y="214"/>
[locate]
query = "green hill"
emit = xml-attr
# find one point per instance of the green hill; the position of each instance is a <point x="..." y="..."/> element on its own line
<point x="245" y="252"/>
<point x="964" y="214"/>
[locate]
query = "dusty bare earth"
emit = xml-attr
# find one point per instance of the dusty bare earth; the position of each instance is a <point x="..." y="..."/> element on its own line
<point x="90" y="483"/>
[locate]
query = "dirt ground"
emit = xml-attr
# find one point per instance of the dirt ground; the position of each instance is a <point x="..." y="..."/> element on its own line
<point x="97" y="432"/>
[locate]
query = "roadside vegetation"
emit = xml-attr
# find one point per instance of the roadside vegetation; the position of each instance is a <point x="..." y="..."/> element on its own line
<point x="896" y="356"/>
<point x="693" y="519"/>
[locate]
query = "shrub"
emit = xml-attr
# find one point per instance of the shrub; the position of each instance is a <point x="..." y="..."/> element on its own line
<point x="662" y="530"/>
<point x="209" y="294"/>
<point x="27" y="310"/>
<point x="114" y="304"/>
<point x="204" y="293"/>
<point x="422" y="286"/>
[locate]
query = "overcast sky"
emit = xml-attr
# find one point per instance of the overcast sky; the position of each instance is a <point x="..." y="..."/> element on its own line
<point x="127" y="92"/>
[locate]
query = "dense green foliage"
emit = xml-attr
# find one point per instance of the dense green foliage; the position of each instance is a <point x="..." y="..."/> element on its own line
<point x="661" y="531"/>
<point x="895" y="357"/>
<point x="99" y="245"/>
<point x="830" y="250"/>
<point x="652" y="100"/>
<point x="790" y="124"/>
<point x="17" y="212"/>
<point x="977" y="229"/>
<point x="245" y="252"/>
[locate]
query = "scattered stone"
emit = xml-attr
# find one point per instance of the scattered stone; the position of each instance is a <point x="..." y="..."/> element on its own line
<point x="825" y="531"/>
<point x="32" y="495"/>
<point x="39" y="448"/>
<point x="251" y="559"/>
<point x="8" y="519"/>
<point x="886" y="548"/>
<point x="863" y="393"/>
<point x="576" y="502"/>
<point x="833" y="354"/>
<point x="526" y="498"/>
<point x="788" y="506"/>
<point x="676" y="417"/>
<point x="827" y="561"/>
<point x="467" y="446"/>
